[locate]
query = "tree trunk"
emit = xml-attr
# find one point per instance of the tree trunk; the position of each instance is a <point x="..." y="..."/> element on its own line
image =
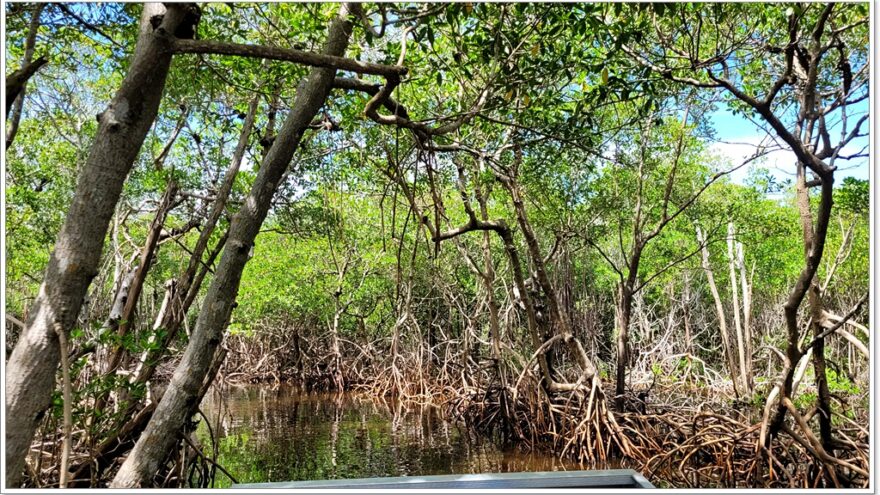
<point x="171" y="413"/>
<point x="686" y="314"/>
<point x="823" y="394"/>
<point x="489" y="283"/>
<point x="190" y="280"/>
<point x="624" y="314"/>
<point x="121" y="323"/>
<point x="625" y="293"/>
<point x="817" y="311"/>
<point x="814" y="245"/>
<point x="531" y="318"/>
<point x="148" y="252"/>
<point x="30" y="374"/>
<point x="744" y="372"/>
<point x="588" y="369"/>
<point x="747" y="314"/>
<point x="170" y="294"/>
<point x="339" y="307"/>
<point x="18" y="96"/>
<point x="336" y="357"/>
<point x="16" y="81"/>
<point x="719" y="308"/>
<point x="118" y="307"/>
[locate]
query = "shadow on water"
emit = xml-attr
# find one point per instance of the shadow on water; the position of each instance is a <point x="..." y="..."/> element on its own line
<point x="285" y="434"/>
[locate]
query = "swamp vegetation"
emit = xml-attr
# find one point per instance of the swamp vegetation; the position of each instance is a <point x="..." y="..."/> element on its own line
<point x="520" y="224"/>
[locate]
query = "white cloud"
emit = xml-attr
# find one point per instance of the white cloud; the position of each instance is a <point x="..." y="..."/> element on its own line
<point x="780" y="162"/>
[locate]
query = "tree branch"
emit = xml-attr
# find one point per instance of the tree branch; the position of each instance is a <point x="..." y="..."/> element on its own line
<point x="16" y="81"/>
<point x="833" y="328"/>
<point x="86" y="24"/>
<point x="286" y="54"/>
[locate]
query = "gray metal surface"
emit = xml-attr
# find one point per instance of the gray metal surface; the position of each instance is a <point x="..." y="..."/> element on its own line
<point x="612" y="478"/>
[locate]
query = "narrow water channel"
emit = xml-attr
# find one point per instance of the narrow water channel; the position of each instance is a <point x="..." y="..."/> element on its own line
<point x="284" y="434"/>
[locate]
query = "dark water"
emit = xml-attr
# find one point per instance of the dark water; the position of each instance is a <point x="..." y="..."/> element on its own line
<point x="283" y="434"/>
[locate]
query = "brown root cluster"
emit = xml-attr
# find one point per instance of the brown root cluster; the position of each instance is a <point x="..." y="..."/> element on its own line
<point x="662" y="432"/>
<point x="681" y="447"/>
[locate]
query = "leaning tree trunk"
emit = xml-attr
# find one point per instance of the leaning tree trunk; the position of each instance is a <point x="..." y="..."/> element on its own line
<point x="122" y="323"/>
<point x="148" y="254"/>
<point x="171" y="413"/>
<point x="16" y="82"/>
<point x="30" y="374"/>
<point x="589" y="372"/>
<point x="188" y="283"/>
<point x="15" y="98"/>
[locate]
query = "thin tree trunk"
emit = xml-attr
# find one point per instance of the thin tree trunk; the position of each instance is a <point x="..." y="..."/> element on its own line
<point x="843" y="253"/>
<point x="814" y="244"/>
<point x="626" y="292"/>
<point x="112" y="322"/>
<point x="268" y="136"/>
<point x="122" y="322"/>
<point x="171" y="413"/>
<point x="117" y="254"/>
<point x="159" y="162"/>
<point x="336" y="366"/>
<point x="30" y="373"/>
<point x="531" y="318"/>
<point x="339" y="308"/>
<point x="740" y="344"/>
<point x="29" y="47"/>
<point x="747" y="314"/>
<point x="588" y="369"/>
<point x="685" y="313"/>
<point x="817" y="310"/>
<point x="188" y="283"/>
<point x="624" y="315"/>
<point x="489" y="282"/>
<point x="170" y="294"/>
<point x="719" y="309"/>
<point x="102" y="354"/>
<point x="148" y="253"/>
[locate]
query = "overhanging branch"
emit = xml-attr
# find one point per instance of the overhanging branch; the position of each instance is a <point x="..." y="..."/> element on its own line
<point x="286" y="54"/>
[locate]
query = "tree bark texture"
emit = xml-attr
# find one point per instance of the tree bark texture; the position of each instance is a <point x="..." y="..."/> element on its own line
<point x="30" y="373"/>
<point x="162" y="432"/>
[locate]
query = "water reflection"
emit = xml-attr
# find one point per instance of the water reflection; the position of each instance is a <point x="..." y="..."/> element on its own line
<point x="284" y="434"/>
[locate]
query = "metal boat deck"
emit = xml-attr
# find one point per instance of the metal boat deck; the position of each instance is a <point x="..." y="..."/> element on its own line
<point x="613" y="478"/>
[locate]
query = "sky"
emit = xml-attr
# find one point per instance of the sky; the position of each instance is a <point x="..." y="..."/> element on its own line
<point x="741" y="137"/>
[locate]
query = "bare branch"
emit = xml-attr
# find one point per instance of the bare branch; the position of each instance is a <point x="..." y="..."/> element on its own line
<point x="833" y="328"/>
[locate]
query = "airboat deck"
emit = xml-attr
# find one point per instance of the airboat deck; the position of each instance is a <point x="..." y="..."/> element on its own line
<point x="612" y="478"/>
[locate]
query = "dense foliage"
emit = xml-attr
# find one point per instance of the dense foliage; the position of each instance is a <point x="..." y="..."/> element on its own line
<point x="588" y="132"/>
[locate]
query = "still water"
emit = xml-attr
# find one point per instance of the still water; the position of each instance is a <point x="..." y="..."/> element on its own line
<point x="284" y="434"/>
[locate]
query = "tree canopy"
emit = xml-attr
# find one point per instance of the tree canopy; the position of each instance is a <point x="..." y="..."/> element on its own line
<point x="527" y="210"/>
